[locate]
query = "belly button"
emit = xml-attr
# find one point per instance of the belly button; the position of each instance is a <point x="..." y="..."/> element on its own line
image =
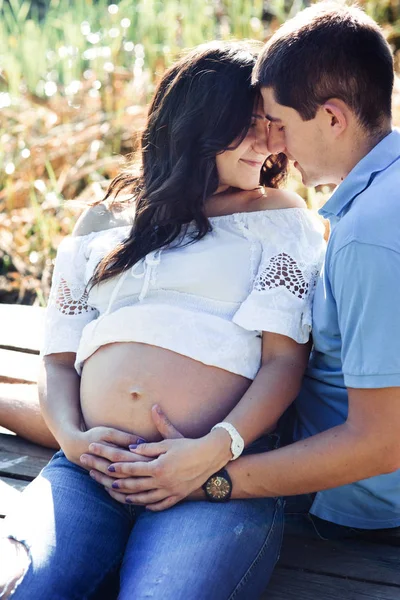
<point x="135" y="393"/>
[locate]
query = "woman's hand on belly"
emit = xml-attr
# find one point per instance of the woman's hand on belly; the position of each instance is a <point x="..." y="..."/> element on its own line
<point x="78" y="443"/>
<point x="177" y="467"/>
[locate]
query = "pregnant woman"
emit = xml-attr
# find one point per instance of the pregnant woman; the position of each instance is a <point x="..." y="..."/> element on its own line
<point x="194" y="294"/>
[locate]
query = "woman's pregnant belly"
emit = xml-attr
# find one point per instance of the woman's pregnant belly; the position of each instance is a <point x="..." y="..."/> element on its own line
<point x="121" y="382"/>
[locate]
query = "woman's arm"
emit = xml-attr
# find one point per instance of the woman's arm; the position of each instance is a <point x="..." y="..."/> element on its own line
<point x="58" y="386"/>
<point x="67" y="314"/>
<point x="183" y="465"/>
<point x="60" y="404"/>
<point x="275" y="387"/>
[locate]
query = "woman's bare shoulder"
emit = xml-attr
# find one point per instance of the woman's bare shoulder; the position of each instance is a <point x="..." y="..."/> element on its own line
<point x="100" y="217"/>
<point x="275" y="199"/>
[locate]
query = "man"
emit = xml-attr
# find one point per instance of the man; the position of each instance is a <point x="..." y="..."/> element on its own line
<point x="327" y="95"/>
<point x="326" y="78"/>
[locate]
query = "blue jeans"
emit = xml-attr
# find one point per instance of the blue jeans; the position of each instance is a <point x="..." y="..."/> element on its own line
<point x="78" y="536"/>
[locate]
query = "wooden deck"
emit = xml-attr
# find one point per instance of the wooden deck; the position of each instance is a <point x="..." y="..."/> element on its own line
<point x="307" y="570"/>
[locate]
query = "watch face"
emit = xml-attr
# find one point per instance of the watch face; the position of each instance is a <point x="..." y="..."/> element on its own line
<point x="218" y="487"/>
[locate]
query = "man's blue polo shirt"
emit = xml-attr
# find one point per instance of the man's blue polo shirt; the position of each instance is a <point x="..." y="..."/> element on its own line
<point x="356" y="324"/>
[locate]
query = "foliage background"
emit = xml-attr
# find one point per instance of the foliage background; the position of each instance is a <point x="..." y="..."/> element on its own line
<point x="75" y="77"/>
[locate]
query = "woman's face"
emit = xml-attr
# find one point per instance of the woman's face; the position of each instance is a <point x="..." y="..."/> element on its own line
<point x="240" y="168"/>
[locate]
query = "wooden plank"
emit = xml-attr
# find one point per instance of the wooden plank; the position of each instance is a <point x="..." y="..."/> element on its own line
<point x="21" y="459"/>
<point x="288" y="584"/>
<point x="10" y="490"/>
<point x="18" y="366"/>
<point x="22" y="467"/>
<point x="346" y="558"/>
<point x="21" y="326"/>
<point x="13" y="486"/>
<point x="15" y="444"/>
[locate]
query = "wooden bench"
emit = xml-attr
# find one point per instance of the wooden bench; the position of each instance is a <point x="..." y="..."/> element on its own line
<point x="307" y="570"/>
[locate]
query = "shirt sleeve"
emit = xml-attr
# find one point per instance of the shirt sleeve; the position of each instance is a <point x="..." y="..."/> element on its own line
<point x="366" y="286"/>
<point x="281" y="297"/>
<point x="68" y="310"/>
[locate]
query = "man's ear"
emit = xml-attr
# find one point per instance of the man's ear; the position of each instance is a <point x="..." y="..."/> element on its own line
<point x="338" y="114"/>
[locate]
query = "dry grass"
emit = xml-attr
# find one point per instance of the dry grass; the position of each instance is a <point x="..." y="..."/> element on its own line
<point x="67" y="156"/>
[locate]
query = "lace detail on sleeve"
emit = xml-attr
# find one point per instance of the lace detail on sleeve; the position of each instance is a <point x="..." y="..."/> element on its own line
<point x="68" y="311"/>
<point x="281" y="298"/>
<point x="71" y="301"/>
<point x="283" y="271"/>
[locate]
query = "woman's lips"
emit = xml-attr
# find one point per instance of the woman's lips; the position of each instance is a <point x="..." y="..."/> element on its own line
<point x="252" y="163"/>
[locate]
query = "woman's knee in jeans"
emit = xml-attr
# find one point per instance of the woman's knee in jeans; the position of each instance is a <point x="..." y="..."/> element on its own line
<point x="15" y="561"/>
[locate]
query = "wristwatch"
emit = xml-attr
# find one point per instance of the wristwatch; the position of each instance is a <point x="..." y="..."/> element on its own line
<point x="218" y="487"/>
<point x="237" y="442"/>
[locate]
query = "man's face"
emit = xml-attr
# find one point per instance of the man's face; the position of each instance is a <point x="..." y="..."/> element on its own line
<point x="304" y="142"/>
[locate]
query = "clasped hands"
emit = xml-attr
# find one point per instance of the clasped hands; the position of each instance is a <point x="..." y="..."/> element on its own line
<point x="160" y="474"/>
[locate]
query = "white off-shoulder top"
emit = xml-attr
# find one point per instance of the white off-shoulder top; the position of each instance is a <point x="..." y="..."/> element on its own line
<point x="209" y="300"/>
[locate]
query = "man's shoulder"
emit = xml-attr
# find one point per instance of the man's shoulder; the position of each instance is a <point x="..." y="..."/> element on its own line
<point x="374" y="216"/>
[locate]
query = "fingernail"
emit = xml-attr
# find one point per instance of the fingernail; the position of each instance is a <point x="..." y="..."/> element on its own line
<point x="158" y="409"/>
<point x="140" y="441"/>
<point x="128" y="501"/>
<point x="91" y="474"/>
<point x="133" y="446"/>
<point x="115" y="485"/>
<point x="83" y="459"/>
<point x="111" y="468"/>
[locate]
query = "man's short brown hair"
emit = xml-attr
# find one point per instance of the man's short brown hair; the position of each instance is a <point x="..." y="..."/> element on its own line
<point x="330" y="51"/>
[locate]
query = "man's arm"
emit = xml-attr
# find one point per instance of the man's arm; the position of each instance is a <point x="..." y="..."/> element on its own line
<point x="366" y="294"/>
<point x="367" y="444"/>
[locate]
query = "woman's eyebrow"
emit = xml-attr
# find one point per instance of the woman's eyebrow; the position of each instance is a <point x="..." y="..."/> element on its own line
<point x="258" y="116"/>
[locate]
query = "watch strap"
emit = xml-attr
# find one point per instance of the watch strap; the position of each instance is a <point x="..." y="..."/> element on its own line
<point x="237" y="442"/>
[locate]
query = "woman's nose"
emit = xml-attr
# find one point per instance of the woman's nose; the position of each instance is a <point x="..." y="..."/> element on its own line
<point x="275" y="141"/>
<point x="261" y="140"/>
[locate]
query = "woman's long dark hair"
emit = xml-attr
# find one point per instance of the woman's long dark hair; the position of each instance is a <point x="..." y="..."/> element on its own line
<point x="202" y="106"/>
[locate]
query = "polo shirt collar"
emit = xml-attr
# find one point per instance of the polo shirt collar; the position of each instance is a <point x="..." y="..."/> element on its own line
<point x="378" y="159"/>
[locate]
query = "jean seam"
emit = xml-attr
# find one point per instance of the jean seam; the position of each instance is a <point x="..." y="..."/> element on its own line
<point x="114" y="565"/>
<point x="261" y="552"/>
<point x="102" y="577"/>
